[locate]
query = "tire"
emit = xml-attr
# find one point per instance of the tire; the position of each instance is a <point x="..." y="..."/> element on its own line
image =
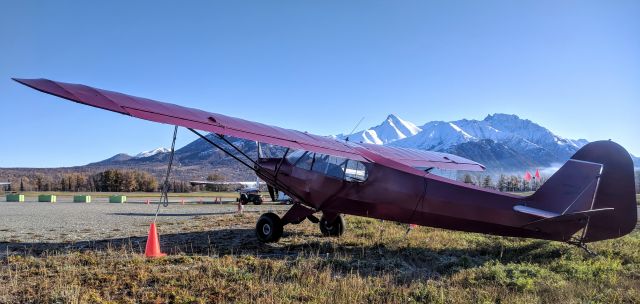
<point x="269" y="228"/>
<point x="257" y="200"/>
<point x="334" y="229"/>
<point x="244" y="199"/>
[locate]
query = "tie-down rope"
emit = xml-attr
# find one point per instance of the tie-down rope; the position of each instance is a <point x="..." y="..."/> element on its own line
<point x="164" y="197"/>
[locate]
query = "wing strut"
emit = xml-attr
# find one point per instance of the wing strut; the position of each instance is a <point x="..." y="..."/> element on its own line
<point x="264" y="177"/>
<point x="225" y="151"/>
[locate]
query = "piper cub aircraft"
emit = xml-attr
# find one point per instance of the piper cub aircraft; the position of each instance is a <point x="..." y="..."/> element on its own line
<point x="591" y="198"/>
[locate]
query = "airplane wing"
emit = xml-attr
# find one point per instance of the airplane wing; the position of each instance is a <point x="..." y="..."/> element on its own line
<point x="425" y="159"/>
<point x="191" y="118"/>
<point x="220" y="124"/>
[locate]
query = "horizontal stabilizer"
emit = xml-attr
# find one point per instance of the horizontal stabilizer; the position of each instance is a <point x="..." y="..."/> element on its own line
<point x="535" y="211"/>
<point x="575" y="216"/>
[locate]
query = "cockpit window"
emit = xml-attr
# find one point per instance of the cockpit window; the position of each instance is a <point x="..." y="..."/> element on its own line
<point x="301" y="159"/>
<point x="330" y="165"/>
<point x="333" y="166"/>
<point x="355" y="172"/>
<point x="293" y="156"/>
<point x="305" y="161"/>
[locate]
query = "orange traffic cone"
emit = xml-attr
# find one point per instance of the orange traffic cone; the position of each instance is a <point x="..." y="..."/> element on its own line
<point x="153" y="244"/>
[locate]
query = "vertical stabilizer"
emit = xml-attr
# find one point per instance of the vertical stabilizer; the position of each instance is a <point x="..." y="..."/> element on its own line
<point x="596" y="189"/>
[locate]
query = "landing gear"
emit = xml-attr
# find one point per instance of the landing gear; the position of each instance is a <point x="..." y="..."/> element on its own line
<point x="333" y="228"/>
<point x="269" y="228"/>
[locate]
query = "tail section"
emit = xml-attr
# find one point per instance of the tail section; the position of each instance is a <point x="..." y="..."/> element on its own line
<point x="594" y="190"/>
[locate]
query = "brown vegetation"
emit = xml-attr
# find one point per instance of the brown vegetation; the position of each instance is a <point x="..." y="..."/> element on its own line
<point x="374" y="262"/>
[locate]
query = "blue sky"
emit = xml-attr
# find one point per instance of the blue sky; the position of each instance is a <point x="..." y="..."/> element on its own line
<point x="317" y="66"/>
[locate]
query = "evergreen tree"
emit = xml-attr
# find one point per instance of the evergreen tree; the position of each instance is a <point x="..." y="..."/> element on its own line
<point x="487" y="182"/>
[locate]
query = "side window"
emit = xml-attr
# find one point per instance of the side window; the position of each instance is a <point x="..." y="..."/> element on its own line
<point x="320" y="164"/>
<point x="337" y="167"/>
<point x="293" y="156"/>
<point x="355" y="172"/>
<point x="305" y="161"/>
<point x="301" y="159"/>
<point x="330" y="165"/>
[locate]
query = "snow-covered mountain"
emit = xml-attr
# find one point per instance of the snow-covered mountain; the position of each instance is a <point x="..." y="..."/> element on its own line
<point x="511" y="130"/>
<point x="152" y="152"/>
<point x="392" y="129"/>
<point x="507" y="141"/>
<point x="502" y="142"/>
<point x="521" y="135"/>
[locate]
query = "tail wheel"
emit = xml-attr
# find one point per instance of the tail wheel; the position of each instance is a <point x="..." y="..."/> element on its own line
<point x="269" y="228"/>
<point x="335" y="228"/>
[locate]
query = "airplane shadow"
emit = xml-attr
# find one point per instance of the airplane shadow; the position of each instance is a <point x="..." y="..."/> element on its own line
<point x="405" y="264"/>
<point x="171" y="214"/>
<point x="161" y="214"/>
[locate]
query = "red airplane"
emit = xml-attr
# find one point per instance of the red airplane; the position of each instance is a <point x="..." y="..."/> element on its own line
<point x="591" y="198"/>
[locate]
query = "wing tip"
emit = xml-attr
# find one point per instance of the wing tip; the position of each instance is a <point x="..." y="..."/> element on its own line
<point x="30" y="82"/>
<point x="20" y="80"/>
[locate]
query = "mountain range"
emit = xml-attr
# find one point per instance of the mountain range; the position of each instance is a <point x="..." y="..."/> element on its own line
<point x="503" y="143"/>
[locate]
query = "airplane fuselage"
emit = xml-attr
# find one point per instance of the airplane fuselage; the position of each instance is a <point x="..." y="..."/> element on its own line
<point x="394" y="195"/>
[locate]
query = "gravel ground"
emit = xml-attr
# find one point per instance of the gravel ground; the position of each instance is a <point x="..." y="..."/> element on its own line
<point x="37" y="228"/>
<point x="33" y="226"/>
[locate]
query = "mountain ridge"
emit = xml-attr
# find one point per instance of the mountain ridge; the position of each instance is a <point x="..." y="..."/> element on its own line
<point x="504" y="143"/>
<point x="393" y="128"/>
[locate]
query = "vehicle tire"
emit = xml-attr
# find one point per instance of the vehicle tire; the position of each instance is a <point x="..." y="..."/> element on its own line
<point x="269" y="228"/>
<point x="257" y="200"/>
<point x="244" y="199"/>
<point x="332" y="229"/>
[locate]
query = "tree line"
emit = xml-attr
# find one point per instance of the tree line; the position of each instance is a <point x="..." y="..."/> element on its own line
<point x="504" y="183"/>
<point x="106" y="181"/>
<point x="514" y="183"/>
<point x="132" y="180"/>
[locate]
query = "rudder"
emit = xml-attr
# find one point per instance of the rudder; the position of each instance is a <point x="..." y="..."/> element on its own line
<point x="598" y="177"/>
<point x="616" y="189"/>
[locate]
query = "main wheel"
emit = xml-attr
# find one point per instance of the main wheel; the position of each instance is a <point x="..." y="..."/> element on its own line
<point x="336" y="228"/>
<point x="269" y="228"/>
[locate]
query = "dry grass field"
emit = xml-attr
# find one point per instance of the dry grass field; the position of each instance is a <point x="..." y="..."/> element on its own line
<point x="216" y="259"/>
